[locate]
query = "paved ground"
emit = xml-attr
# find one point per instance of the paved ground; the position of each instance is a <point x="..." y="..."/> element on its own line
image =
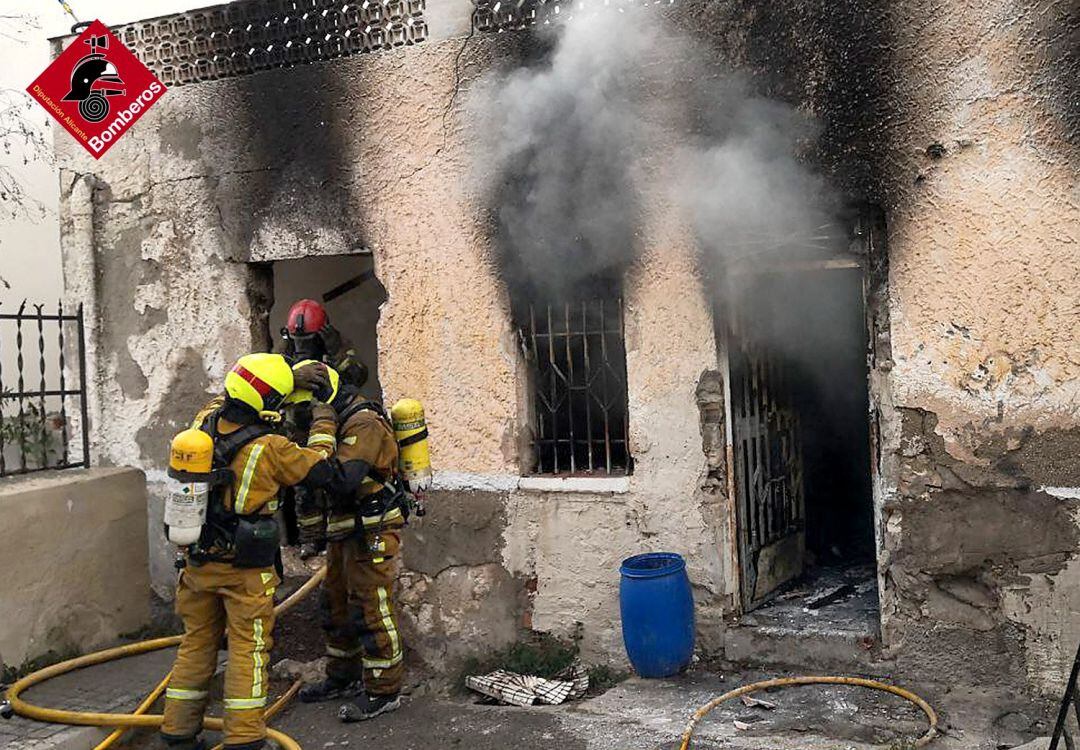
<point x="637" y="715"/>
<point x="115" y="686"/>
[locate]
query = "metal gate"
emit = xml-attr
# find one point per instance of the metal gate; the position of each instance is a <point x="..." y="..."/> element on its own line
<point x="768" y="464"/>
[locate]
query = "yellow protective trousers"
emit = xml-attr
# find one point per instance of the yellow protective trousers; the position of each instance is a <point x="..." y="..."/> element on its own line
<point x="214" y="599"/>
<point x="362" y="634"/>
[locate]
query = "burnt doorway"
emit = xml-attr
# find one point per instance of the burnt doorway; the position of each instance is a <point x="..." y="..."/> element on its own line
<point x="346" y="285"/>
<point x="797" y="353"/>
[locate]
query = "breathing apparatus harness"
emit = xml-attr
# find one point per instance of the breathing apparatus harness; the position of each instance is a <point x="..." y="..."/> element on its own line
<point x="393" y="495"/>
<point x="245" y="541"/>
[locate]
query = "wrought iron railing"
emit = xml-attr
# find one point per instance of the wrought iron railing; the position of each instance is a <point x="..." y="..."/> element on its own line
<point x="37" y="404"/>
<point x="577" y="357"/>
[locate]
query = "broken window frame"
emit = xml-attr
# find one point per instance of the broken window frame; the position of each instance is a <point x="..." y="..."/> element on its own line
<point x="576" y="356"/>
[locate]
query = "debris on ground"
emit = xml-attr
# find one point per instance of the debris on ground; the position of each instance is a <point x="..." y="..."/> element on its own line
<point x="830" y="596"/>
<point x="751" y="702"/>
<point x="527" y="690"/>
<point x="294" y="669"/>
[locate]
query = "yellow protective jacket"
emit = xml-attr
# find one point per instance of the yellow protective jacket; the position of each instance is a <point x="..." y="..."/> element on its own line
<point x="269" y="462"/>
<point x="365" y="442"/>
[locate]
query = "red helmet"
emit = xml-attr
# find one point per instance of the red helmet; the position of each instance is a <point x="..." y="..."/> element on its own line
<point x="306" y="317"/>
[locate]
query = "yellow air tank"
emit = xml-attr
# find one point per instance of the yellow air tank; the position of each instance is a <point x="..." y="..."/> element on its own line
<point x="410" y="430"/>
<point x="191" y="460"/>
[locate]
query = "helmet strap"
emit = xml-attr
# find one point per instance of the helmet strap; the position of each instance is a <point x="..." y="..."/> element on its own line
<point x="238" y="412"/>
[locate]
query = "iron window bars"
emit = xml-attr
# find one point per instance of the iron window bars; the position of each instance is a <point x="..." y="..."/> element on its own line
<point x="577" y="359"/>
<point x="34" y="429"/>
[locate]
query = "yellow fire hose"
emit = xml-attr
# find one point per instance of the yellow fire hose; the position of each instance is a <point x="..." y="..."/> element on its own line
<point x="139" y="718"/>
<point x="790" y="681"/>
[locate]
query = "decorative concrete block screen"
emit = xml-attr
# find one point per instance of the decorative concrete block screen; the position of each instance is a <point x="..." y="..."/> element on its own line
<point x="247" y="36"/>
<point x="504" y="15"/>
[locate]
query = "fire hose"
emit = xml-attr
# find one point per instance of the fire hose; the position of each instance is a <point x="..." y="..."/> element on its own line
<point x="931" y="715"/>
<point x="139" y="718"/>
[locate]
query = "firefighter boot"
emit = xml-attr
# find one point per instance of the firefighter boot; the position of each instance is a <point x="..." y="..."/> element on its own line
<point x="257" y="745"/>
<point x="331" y="689"/>
<point x="309" y="550"/>
<point x="368" y="707"/>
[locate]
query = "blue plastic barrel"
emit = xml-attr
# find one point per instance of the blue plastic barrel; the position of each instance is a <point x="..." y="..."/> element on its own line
<point x="657" y="613"/>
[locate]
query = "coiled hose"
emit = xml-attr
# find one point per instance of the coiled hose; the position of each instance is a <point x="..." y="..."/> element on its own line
<point x="790" y="681"/>
<point x="124" y="722"/>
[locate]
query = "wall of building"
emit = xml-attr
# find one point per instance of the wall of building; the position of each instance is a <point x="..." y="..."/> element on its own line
<point x="187" y="211"/>
<point x="74" y="555"/>
<point x="957" y="119"/>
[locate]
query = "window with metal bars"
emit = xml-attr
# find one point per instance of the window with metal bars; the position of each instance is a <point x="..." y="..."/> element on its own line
<point x="577" y="358"/>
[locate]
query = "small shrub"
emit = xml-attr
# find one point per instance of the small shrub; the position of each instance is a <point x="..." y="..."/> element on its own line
<point x="11" y="674"/>
<point x="541" y="654"/>
<point x="603" y="677"/>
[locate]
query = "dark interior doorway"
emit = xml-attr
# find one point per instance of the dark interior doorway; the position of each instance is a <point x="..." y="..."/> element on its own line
<point x="801" y="436"/>
<point x="352" y="295"/>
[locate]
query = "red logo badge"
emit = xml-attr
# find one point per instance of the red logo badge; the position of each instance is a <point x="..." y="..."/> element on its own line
<point x="96" y="89"/>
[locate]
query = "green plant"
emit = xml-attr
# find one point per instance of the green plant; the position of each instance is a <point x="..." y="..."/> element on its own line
<point x="541" y="654"/>
<point x="603" y="677"/>
<point x="11" y="674"/>
<point x="547" y="656"/>
<point x="30" y="430"/>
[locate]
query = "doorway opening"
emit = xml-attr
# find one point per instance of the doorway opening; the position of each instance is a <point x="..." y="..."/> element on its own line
<point x="801" y="437"/>
<point x="347" y="287"/>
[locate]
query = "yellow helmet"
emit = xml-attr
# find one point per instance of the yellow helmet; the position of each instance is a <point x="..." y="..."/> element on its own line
<point x="262" y="381"/>
<point x="301" y="396"/>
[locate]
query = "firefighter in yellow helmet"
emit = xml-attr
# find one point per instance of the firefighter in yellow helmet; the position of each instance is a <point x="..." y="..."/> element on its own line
<point x="368" y="507"/>
<point x="228" y="580"/>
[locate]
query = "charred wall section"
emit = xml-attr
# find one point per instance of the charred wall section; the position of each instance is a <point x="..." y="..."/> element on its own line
<point x="172" y="246"/>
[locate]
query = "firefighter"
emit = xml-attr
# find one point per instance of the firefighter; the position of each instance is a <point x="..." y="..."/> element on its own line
<point x="229" y="575"/>
<point x="368" y="509"/>
<point x="308" y="335"/>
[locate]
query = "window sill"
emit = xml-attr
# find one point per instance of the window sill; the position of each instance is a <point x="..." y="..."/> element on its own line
<point x="584" y="485"/>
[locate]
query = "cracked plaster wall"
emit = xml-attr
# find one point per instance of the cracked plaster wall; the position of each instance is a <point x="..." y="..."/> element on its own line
<point x="960" y="120"/>
<point x="188" y="197"/>
<point x="983" y="268"/>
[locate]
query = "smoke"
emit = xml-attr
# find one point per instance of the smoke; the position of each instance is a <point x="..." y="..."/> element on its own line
<point x="622" y="111"/>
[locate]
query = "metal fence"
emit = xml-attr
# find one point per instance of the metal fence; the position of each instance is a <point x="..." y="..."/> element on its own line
<point x="577" y="356"/>
<point x="42" y="420"/>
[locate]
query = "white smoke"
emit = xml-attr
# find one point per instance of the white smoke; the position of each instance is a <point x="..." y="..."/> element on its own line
<point x="573" y="142"/>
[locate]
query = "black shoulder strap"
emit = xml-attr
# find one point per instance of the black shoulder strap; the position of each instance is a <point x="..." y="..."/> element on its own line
<point x="227" y="446"/>
<point x="356" y="408"/>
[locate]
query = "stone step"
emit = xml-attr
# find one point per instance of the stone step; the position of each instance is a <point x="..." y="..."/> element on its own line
<point x="836" y="652"/>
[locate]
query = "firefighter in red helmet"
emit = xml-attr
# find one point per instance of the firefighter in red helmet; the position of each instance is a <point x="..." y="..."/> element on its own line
<point x="309" y="336"/>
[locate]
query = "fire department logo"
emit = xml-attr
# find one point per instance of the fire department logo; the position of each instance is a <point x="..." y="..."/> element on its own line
<point x="97" y="89"/>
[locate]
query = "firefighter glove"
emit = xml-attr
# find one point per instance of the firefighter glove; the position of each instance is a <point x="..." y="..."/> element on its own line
<point x="312" y="377"/>
<point x="331" y="339"/>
